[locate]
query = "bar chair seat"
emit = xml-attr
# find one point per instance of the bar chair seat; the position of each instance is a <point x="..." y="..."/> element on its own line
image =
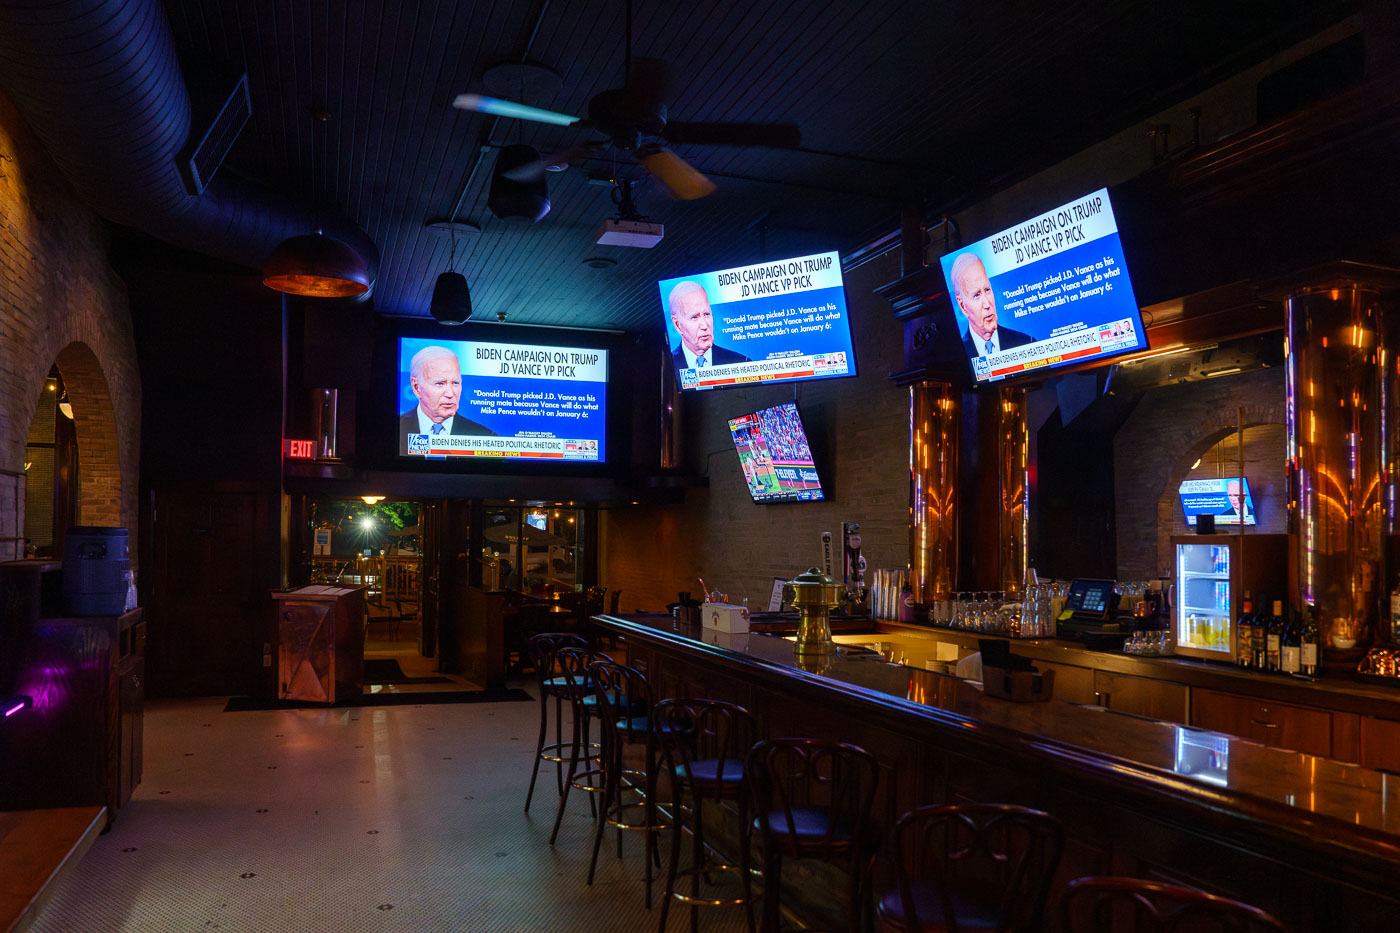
<point x="1102" y="904"/>
<point x="543" y="650"/>
<point x="575" y="662"/>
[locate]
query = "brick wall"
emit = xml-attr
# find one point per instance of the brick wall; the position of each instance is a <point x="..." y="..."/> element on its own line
<point x="1167" y="432"/>
<point x="739" y="547"/>
<point x="60" y="302"/>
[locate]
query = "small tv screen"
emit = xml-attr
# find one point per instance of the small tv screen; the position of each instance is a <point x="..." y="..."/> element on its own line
<point x="774" y="455"/>
<point x="1050" y="291"/>
<point x="778" y="321"/>
<point x="1227" y="499"/>
<point x="517" y="401"/>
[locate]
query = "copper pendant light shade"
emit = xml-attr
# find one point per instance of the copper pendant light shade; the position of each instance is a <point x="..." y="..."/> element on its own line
<point x="316" y="266"/>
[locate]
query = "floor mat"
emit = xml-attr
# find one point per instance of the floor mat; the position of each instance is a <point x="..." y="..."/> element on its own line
<point x="388" y="671"/>
<point x="511" y="695"/>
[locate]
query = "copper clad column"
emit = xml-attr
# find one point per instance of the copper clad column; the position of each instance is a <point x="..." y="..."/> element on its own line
<point x="1335" y="491"/>
<point x="1013" y="445"/>
<point x="934" y="412"/>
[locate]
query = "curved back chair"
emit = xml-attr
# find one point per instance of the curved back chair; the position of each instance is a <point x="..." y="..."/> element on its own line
<point x="543" y="650"/>
<point x="813" y="799"/>
<point x="983" y="867"/>
<point x="572" y="664"/>
<point x="1108" y="905"/>
<point x="703" y="747"/>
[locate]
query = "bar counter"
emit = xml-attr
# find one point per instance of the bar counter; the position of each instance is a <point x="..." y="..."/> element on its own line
<point x="1312" y="840"/>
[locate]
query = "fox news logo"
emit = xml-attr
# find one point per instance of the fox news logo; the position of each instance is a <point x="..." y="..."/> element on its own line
<point x="689" y="377"/>
<point x="418" y="443"/>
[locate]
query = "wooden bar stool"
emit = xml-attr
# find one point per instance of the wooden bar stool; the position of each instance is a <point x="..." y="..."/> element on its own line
<point x="1108" y="905"/>
<point x="974" y="867"/>
<point x="624" y="708"/>
<point x="812" y="799"/>
<point x="543" y="651"/>
<point x="573" y="665"/>
<point x="703" y="746"/>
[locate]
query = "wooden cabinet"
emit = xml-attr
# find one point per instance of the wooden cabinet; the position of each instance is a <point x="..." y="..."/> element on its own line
<point x="1380" y="743"/>
<point x="1072" y="684"/>
<point x="1141" y="696"/>
<point x="1281" y="725"/>
<point x="321" y="647"/>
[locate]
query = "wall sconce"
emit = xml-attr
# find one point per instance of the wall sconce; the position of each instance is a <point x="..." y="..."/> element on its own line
<point x="371" y="500"/>
<point x="65" y="406"/>
<point x="316" y="266"/>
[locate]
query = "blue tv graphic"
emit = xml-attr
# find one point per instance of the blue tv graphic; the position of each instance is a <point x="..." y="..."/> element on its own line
<point x="1225" y="498"/>
<point x="1056" y="287"/>
<point x="774" y="321"/>
<point x="519" y="401"/>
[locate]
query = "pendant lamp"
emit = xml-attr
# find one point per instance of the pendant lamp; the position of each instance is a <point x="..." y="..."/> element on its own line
<point x="316" y="266"/>
<point x="452" y="300"/>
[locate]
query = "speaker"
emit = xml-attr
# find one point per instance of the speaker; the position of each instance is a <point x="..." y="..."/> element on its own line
<point x="512" y="198"/>
<point x="452" y="301"/>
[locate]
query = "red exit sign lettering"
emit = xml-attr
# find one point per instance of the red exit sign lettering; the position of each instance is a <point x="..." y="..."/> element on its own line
<point x="301" y="450"/>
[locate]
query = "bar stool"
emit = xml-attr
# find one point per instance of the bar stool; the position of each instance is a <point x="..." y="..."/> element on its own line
<point x="703" y="746"/>
<point x="971" y="867"/>
<point x="812" y="798"/>
<point x="624" y="707"/>
<point x="543" y="651"/>
<point x="573" y="664"/>
<point x="1105" y="904"/>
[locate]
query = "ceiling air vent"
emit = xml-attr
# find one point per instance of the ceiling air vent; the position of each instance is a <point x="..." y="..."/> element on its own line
<point x="209" y="153"/>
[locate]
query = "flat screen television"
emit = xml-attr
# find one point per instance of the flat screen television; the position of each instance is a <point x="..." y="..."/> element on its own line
<point x="778" y="321"/>
<point x="1225" y="498"/>
<point x="1045" y="293"/>
<point x="774" y="455"/>
<point x="501" y="400"/>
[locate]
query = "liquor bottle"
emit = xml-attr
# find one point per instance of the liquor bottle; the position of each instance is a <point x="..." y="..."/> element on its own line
<point x="1308" y="651"/>
<point x="1395" y="612"/>
<point x="1273" y="638"/>
<point x="1257" y="639"/>
<point x="1290" y="656"/>
<point x="1244" y="632"/>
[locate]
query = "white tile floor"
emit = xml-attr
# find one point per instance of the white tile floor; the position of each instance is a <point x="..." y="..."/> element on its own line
<point x="396" y="819"/>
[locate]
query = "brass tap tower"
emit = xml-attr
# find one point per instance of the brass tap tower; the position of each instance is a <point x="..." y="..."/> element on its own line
<point x="815" y="595"/>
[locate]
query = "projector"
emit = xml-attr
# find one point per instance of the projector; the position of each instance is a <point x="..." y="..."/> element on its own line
<point x="618" y="232"/>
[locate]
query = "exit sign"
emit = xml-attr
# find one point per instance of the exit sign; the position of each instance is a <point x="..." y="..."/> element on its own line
<point x="301" y="450"/>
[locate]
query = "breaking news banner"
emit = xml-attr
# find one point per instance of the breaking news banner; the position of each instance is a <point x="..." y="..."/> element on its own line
<point x="766" y="322"/>
<point x="1053" y="290"/>
<point x="518" y="400"/>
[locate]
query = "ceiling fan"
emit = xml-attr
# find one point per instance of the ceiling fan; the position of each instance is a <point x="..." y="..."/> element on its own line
<point x="633" y="118"/>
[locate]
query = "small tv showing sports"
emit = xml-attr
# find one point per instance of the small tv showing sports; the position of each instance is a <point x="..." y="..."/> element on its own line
<point x="517" y="401"/>
<point x="1227" y="499"/>
<point x="1050" y="291"/>
<point x="778" y="321"/>
<point x="774" y="455"/>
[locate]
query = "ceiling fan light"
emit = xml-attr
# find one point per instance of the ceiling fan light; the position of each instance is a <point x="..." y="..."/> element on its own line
<point x="316" y="266"/>
<point x="452" y="300"/>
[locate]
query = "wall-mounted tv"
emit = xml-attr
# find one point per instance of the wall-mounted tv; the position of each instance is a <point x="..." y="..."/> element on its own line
<point x="774" y="455"/>
<point x="775" y="321"/>
<point x="1045" y="293"/>
<point x="1226" y="498"/>
<point x="518" y="401"/>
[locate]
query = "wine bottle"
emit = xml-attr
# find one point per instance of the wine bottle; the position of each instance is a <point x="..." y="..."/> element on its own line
<point x="1273" y="638"/>
<point x="1290" y="656"/>
<point x="1308" y="650"/>
<point x="1257" y="638"/>
<point x="1244" y="632"/>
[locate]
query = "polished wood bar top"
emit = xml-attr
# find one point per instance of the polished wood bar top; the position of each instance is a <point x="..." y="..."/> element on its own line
<point x="1332" y="692"/>
<point x="1330" y="804"/>
<point x="37" y="847"/>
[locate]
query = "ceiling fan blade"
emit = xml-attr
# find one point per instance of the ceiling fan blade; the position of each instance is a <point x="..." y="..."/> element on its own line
<point x="679" y="176"/>
<point x="509" y="108"/>
<point x="774" y="135"/>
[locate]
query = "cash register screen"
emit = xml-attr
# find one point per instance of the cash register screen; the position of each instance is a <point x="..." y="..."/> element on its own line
<point x="1090" y="597"/>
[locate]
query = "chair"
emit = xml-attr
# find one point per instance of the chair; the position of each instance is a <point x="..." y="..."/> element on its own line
<point x="572" y="664"/>
<point x="624" y="707"/>
<point x="543" y="651"/>
<point x="812" y="799"/>
<point x="982" y="867"/>
<point x="1109" y="905"/>
<point x="703" y="746"/>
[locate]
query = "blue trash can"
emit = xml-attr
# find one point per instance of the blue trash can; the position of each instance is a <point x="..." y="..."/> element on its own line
<point x="95" y="565"/>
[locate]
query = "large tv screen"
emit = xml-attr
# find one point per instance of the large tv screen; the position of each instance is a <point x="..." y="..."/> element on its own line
<point x="1048" y="292"/>
<point x="776" y="321"/>
<point x="775" y="456"/>
<point x="1227" y="498"/>
<point x="520" y="400"/>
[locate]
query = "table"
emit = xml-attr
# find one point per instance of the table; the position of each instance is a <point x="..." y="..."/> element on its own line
<point x="37" y="848"/>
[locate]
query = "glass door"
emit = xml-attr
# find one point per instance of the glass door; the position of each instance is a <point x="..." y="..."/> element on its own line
<point x="1203" y="623"/>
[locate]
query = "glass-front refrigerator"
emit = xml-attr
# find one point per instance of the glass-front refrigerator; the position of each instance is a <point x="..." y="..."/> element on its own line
<point x="1212" y="573"/>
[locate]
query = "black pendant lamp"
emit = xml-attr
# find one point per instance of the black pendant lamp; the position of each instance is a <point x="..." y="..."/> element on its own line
<point x="316" y="266"/>
<point x="452" y="301"/>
